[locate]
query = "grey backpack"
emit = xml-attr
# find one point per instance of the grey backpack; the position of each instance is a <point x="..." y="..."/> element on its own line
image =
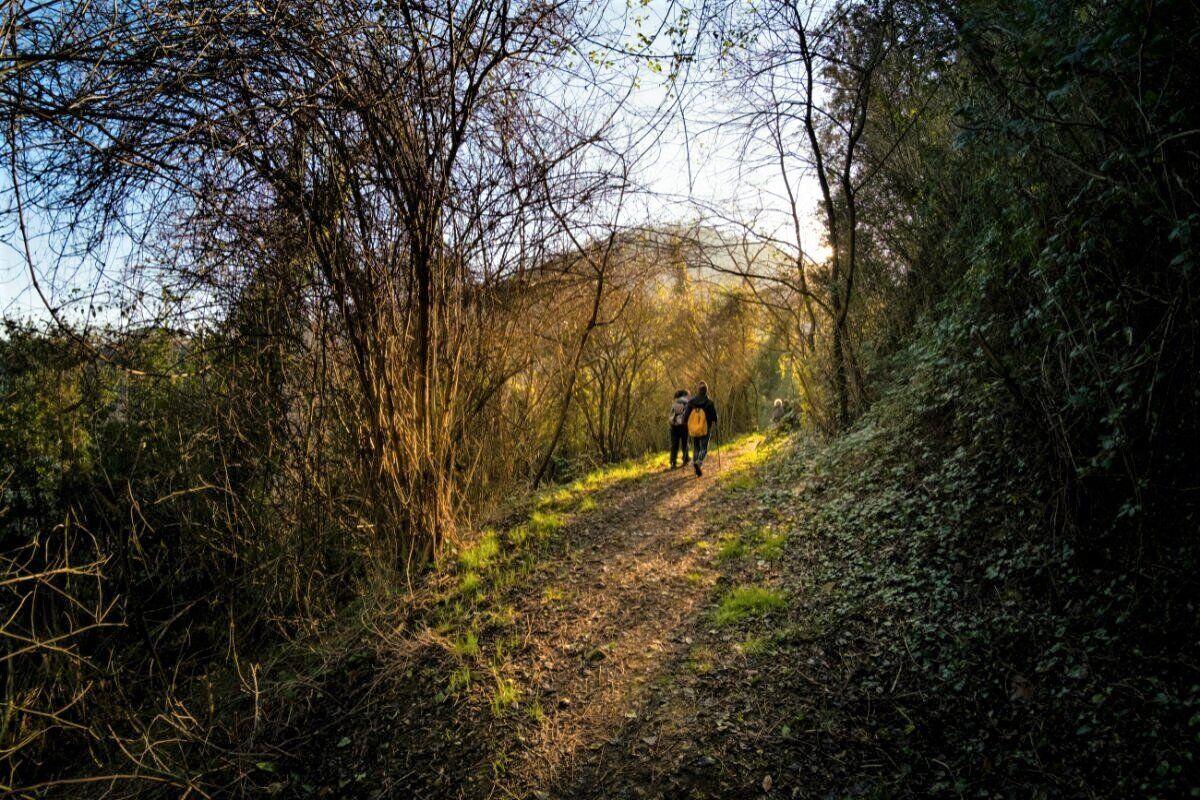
<point x="678" y="410"/>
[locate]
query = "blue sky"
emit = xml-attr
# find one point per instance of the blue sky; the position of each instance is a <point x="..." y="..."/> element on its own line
<point x="690" y="162"/>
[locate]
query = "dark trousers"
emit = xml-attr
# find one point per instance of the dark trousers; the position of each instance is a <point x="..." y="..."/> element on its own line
<point x="700" y="448"/>
<point x="679" y="441"/>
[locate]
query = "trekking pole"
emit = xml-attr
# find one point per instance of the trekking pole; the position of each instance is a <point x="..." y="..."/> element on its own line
<point x="720" y="466"/>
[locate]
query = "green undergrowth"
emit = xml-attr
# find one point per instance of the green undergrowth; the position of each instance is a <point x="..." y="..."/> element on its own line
<point x="985" y="648"/>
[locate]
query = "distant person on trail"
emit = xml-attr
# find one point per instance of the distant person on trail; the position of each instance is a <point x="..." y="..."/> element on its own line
<point x="701" y="421"/>
<point x="679" y="434"/>
<point x="777" y="411"/>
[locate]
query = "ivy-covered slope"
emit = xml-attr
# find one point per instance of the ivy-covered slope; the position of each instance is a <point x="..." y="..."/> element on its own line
<point x="985" y="644"/>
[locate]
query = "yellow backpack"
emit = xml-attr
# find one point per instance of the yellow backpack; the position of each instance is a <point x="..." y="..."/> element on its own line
<point x="697" y="423"/>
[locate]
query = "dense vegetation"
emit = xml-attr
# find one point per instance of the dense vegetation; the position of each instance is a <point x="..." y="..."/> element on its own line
<point x="379" y="280"/>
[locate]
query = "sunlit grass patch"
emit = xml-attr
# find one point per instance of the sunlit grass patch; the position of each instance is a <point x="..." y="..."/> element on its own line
<point x="746" y="602"/>
<point x="504" y="616"/>
<point x="466" y="646"/>
<point x="758" y="541"/>
<point x="612" y="474"/>
<point x="542" y="524"/>
<point x="482" y="553"/>
<point x="744" y="480"/>
<point x="586" y="504"/>
<point x="518" y="535"/>
<point x="556" y="500"/>
<point x="694" y="578"/>
<point x="471" y="585"/>
<point x="755" y="646"/>
<point x="743" y="472"/>
<point x="770" y="543"/>
<point x="731" y="546"/>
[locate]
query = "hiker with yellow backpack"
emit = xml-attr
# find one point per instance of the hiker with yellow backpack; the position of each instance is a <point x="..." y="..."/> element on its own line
<point x="701" y="421"/>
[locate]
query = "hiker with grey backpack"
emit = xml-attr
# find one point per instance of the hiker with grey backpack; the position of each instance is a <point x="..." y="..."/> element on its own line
<point x="701" y="422"/>
<point x="679" y="431"/>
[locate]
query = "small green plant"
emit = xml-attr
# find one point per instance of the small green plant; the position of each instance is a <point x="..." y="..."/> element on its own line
<point x="746" y="602"/>
<point x="586" y="504"/>
<point x="504" y="616"/>
<point x="506" y="695"/>
<point x="458" y="683"/>
<point x="466" y="646"/>
<point x="694" y="578"/>
<point x="535" y="711"/>
<point x="755" y="646"/>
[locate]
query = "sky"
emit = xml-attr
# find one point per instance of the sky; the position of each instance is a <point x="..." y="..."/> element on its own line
<point x="690" y="163"/>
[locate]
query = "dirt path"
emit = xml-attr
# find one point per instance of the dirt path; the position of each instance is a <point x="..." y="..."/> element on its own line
<point x="596" y="627"/>
<point x="630" y="593"/>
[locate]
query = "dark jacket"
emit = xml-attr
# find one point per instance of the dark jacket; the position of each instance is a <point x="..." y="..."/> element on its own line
<point x="703" y="403"/>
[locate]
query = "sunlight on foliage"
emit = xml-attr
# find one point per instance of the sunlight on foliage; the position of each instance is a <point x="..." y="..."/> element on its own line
<point x="481" y="553"/>
<point x="746" y="602"/>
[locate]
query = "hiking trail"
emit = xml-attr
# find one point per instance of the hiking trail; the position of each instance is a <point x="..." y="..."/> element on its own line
<point x="606" y="678"/>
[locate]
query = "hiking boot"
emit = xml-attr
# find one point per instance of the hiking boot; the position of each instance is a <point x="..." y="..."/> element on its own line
<point x="697" y="467"/>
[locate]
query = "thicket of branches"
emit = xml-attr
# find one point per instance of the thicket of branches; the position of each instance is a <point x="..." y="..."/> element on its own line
<point x="326" y="281"/>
